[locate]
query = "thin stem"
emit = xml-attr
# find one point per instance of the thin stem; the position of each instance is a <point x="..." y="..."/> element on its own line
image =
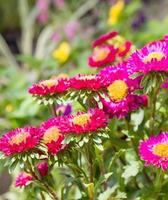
<point x="54" y="109"/>
<point x="42" y="196"/>
<point x="153" y="109"/>
<point x="43" y="184"/>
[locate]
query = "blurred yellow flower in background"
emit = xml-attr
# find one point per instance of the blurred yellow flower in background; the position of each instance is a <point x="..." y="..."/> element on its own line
<point x="9" y="108"/>
<point x="115" y="12"/>
<point x="62" y="52"/>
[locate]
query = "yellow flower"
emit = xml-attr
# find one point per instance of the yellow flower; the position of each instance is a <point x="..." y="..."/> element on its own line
<point x="115" y="12"/>
<point x="62" y="52"/>
<point x="9" y="108"/>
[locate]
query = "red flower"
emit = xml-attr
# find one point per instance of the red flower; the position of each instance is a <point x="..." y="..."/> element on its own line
<point x="102" y="56"/>
<point x="85" y="82"/>
<point x="53" y="133"/>
<point x="50" y="86"/>
<point x="87" y="122"/>
<point x="19" y="140"/>
<point x="124" y="49"/>
<point x="23" y="179"/>
<point x="103" y="38"/>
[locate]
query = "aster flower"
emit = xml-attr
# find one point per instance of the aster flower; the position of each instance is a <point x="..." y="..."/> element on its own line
<point x="53" y="133"/>
<point x="154" y="151"/>
<point x="152" y="57"/>
<point x="87" y="122"/>
<point x="125" y="48"/>
<point x="102" y="56"/>
<point x="121" y="109"/>
<point x="118" y="99"/>
<point x="104" y="38"/>
<point x="19" y="140"/>
<point x="49" y="87"/>
<point x="85" y="82"/>
<point x="120" y="73"/>
<point x="23" y="179"/>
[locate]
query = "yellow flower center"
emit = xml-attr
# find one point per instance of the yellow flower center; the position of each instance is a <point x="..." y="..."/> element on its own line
<point x="161" y="150"/>
<point x="81" y="120"/>
<point x="52" y="134"/>
<point x="49" y="83"/>
<point x="100" y="54"/>
<point x="118" y="90"/>
<point x="86" y="77"/>
<point x="19" y="138"/>
<point x="154" y="55"/>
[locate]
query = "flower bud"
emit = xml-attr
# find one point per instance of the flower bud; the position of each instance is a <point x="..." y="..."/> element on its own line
<point x="43" y="168"/>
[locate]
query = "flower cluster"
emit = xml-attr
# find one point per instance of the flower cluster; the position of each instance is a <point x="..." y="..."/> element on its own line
<point x="110" y="93"/>
<point x="109" y="48"/>
<point x="51" y="133"/>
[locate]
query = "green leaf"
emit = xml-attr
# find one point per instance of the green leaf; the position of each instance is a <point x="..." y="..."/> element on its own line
<point x="107" y="194"/>
<point x="131" y="170"/>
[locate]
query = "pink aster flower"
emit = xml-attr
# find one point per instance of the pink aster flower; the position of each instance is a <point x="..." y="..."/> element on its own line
<point x="23" y="179"/>
<point x="122" y="108"/>
<point x="104" y="38"/>
<point x="53" y="133"/>
<point x="102" y="56"/>
<point x="19" y="140"/>
<point x="87" y="122"/>
<point x="152" y="57"/>
<point x="43" y="168"/>
<point x="116" y="73"/>
<point x="119" y="99"/>
<point x="49" y="87"/>
<point x="154" y="151"/>
<point x="85" y="82"/>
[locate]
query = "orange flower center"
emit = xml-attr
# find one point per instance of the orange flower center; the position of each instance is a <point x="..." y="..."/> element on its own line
<point x="82" y="119"/>
<point x="19" y="138"/>
<point x="154" y="55"/>
<point x="49" y="83"/>
<point x="161" y="150"/>
<point x="100" y="54"/>
<point x="121" y="48"/>
<point x="118" y="90"/>
<point x="52" y="134"/>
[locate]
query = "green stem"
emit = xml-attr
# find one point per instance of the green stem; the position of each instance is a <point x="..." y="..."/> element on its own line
<point x="42" y="196"/>
<point x="43" y="184"/>
<point x="153" y="108"/>
<point x="158" y="183"/>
